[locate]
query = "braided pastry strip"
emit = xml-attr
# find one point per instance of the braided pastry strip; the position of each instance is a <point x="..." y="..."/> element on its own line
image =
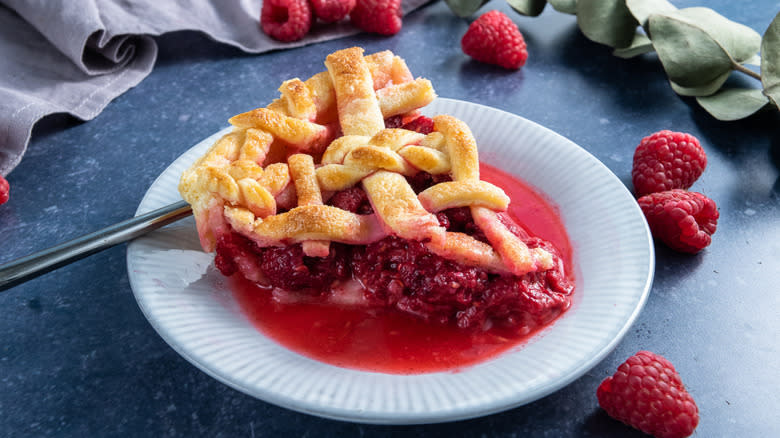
<point x="358" y="107"/>
<point x="515" y="254"/>
<point x="311" y="222"/>
<point x="453" y="194"/>
<point x="351" y="158"/>
<point x="308" y="191"/>
<point x="208" y="183"/>
<point x="304" y="135"/>
<point x="399" y="209"/>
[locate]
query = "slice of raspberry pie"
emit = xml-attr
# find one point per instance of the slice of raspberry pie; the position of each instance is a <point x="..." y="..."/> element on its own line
<point x="341" y="191"/>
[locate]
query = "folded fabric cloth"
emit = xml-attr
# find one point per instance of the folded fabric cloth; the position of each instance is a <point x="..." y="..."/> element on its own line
<point x="75" y="56"/>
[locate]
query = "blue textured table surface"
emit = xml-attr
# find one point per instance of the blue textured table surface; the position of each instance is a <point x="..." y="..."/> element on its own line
<point x="77" y="357"/>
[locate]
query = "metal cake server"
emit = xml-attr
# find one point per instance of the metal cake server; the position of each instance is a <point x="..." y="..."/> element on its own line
<point x="28" y="267"/>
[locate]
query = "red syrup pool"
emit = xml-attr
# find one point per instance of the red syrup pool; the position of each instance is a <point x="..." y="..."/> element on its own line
<point x="386" y="340"/>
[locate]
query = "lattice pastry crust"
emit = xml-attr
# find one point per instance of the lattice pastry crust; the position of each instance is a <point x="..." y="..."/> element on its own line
<point x="328" y="134"/>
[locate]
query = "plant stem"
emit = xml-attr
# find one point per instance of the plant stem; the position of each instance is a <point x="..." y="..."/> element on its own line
<point x="747" y="71"/>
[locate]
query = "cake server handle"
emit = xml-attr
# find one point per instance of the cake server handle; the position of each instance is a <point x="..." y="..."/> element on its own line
<point x="33" y="265"/>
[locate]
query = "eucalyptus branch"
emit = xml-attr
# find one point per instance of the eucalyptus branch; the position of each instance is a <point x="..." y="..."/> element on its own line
<point x="742" y="69"/>
<point x="697" y="47"/>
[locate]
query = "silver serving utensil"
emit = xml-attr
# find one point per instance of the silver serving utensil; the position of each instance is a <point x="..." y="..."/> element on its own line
<point x="33" y="265"/>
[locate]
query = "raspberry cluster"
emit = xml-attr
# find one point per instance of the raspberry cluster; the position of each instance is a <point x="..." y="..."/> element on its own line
<point x="290" y="20"/>
<point x="665" y="165"/>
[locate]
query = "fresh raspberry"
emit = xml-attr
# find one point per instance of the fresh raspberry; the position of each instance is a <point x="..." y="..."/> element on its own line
<point x="286" y="20"/>
<point x="684" y="221"/>
<point x="647" y="393"/>
<point x="667" y="160"/>
<point x="331" y="11"/>
<point x="377" y="16"/>
<point x="5" y="190"/>
<point x="493" y="38"/>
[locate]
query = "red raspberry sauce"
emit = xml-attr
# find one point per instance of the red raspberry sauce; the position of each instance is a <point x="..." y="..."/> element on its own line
<point x="388" y="341"/>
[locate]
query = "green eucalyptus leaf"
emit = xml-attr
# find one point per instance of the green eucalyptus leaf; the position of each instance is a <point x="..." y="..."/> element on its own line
<point x="565" y="6"/>
<point x="701" y="90"/>
<point x="642" y="9"/>
<point x="698" y="45"/>
<point x="640" y="45"/>
<point x="734" y="103"/>
<point x="531" y="8"/>
<point x="465" y="8"/>
<point x="607" y="22"/>
<point x="754" y="60"/>
<point x="738" y="40"/>
<point x="770" y="60"/>
<point x="690" y="57"/>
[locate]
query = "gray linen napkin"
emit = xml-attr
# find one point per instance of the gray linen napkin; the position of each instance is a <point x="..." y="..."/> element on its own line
<point x="75" y="56"/>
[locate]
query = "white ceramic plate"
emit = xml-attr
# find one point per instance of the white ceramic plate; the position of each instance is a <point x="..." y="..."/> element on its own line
<point x="186" y="299"/>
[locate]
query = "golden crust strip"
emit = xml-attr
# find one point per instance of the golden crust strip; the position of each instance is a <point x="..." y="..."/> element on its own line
<point x="241" y="169"/>
<point x="300" y="103"/>
<point x="376" y="157"/>
<point x="359" y="112"/>
<point x="308" y="190"/>
<point x="435" y="140"/>
<point x="275" y="178"/>
<point x="469" y="251"/>
<point x="544" y="260"/>
<point x="461" y="147"/>
<point x="302" y="134"/>
<point x="316" y="222"/>
<point x="380" y="65"/>
<point x="224" y="150"/>
<point x="514" y="252"/>
<point x="387" y="69"/>
<point x="256" y="145"/>
<point x="426" y="159"/>
<point x="399" y="209"/>
<point x="516" y="255"/>
<point x="216" y="179"/>
<point x="324" y="97"/>
<point x="454" y="194"/>
<point x="193" y="182"/>
<point x="256" y="197"/>
<point x="340" y="147"/>
<point x="405" y="97"/>
<point x="395" y="139"/>
<point x="335" y="177"/>
<point x="305" y="179"/>
<point x="278" y="106"/>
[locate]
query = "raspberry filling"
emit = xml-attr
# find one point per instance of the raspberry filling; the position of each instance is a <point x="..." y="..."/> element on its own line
<point x="404" y="275"/>
<point x="421" y="124"/>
